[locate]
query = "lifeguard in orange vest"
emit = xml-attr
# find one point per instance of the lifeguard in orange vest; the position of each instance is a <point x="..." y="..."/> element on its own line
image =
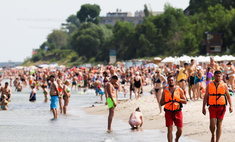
<point x="216" y="97"/>
<point x="173" y="97"/>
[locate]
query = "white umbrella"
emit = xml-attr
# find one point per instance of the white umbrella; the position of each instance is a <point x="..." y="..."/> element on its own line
<point x="168" y="60"/>
<point x="157" y="58"/>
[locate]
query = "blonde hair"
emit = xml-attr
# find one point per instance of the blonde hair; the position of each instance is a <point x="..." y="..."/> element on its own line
<point x="66" y="81"/>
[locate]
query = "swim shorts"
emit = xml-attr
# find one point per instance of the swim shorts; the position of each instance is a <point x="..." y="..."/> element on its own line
<point x="110" y="102"/>
<point x="54" y="102"/>
<point x="217" y="112"/>
<point x="191" y="81"/>
<point x="176" y="117"/>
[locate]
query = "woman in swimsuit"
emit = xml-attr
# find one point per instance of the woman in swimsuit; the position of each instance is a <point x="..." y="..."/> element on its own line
<point x="66" y="96"/>
<point x="158" y="80"/>
<point x="197" y="81"/>
<point x="60" y="89"/>
<point x="45" y="92"/>
<point x="231" y="74"/>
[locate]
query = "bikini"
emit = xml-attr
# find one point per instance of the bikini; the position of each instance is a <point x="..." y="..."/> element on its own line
<point x="158" y="81"/>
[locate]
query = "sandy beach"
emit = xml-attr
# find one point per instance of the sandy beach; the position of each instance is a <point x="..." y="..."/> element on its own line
<point x="195" y="124"/>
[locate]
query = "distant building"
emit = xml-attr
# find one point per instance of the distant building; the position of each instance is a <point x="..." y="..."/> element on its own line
<point x="213" y="42"/>
<point x="112" y="17"/>
<point x="34" y="51"/>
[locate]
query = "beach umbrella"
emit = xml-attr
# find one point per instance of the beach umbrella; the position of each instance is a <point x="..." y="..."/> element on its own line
<point x="168" y="60"/>
<point x="158" y="58"/>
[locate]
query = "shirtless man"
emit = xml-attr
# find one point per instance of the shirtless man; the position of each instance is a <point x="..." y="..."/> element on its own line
<point x="111" y="99"/>
<point x="136" y="119"/>
<point x="214" y="66"/>
<point x="191" y="72"/>
<point x="54" y="96"/>
<point x="6" y="90"/>
<point x="96" y="84"/>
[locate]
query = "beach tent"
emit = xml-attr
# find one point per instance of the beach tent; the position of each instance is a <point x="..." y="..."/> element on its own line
<point x="168" y="60"/>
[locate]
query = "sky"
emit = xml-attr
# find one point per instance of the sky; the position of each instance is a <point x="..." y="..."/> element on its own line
<point x="25" y="24"/>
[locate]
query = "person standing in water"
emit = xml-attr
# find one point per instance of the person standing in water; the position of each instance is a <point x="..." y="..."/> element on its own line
<point x="45" y="92"/>
<point x="60" y="89"/>
<point x="173" y="97"/>
<point x="136" y="119"/>
<point x="111" y="99"/>
<point x="54" y="96"/>
<point x="32" y="97"/>
<point x="215" y="97"/>
<point x="66" y="96"/>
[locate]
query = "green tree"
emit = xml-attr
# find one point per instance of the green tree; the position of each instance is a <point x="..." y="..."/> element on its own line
<point x="89" y="13"/>
<point x="146" y="11"/>
<point x="89" y="39"/>
<point x="57" y="39"/>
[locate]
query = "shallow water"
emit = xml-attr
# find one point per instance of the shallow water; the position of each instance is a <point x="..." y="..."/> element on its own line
<point x="26" y="121"/>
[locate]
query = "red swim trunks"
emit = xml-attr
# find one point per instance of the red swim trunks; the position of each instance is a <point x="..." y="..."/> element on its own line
<point x="217" y="112"/>
<point x="176" y="117"/>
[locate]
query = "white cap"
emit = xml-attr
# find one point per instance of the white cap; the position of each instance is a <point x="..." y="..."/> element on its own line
<point x="137" y="73"/>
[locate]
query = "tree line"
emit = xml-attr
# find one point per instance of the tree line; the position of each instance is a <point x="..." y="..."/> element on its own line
<point x="170" y="34"/>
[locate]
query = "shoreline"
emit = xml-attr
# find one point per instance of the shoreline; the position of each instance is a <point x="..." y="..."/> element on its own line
<point x="195" y="124"/>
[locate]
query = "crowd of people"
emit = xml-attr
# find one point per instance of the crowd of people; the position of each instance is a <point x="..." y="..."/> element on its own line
<point x="168" y="84"/>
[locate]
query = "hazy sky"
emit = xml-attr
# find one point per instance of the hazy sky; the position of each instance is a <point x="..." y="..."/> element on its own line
<point x="25" y="24"/>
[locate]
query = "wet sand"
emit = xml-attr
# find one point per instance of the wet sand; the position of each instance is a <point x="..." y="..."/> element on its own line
<point x="195" y="126"/>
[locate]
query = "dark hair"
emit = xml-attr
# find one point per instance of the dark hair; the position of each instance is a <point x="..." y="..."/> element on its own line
<point x="170" y="76"/>
<point x="114" y="77"/>
<point x="138" y="109"/>
<point x="6" y="83"/>
<point x="192" y="60"/>
<point x="217" y="72"/>
<point x="229" y="63"/>
<point x="52" y="76"/>
<point x="185" y="64"/>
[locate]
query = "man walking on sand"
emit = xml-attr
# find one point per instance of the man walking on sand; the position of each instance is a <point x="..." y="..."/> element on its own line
<point x="215" y="97"/>
<point x="173" y="97"/>
<point x="111" y="99"/>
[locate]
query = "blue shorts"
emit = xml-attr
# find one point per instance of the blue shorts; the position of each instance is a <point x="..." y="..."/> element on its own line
<point x="96" y="90"/>
<point x="54" y="102"/>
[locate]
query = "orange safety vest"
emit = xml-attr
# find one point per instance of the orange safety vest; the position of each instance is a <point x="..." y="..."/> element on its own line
<point x="216" y="94"/>
<point x="172" y="103"/>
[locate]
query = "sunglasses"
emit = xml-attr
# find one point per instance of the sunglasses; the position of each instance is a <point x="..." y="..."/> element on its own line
<point x="157" y="72"/>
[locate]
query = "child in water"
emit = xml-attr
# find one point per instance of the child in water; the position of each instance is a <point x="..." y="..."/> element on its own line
<point x="32" y="97"/>
<point x="4" y="103"/>
<point x="45" y="92"/>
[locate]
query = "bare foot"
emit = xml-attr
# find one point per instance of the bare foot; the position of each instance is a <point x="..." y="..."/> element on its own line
<point x="160" y="114"/>
<point x="110" y="131"/>
<point x="213" y="139"/>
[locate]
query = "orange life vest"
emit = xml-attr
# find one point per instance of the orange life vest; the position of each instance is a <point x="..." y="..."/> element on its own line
<point x="172" y="102"/>
<point x="216" y="94"/>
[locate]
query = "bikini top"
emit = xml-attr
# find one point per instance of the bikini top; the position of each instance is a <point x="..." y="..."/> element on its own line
<point x="156" y="81"/>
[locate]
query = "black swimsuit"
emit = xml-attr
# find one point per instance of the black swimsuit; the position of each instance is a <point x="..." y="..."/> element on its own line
<point x="137" y="83"/>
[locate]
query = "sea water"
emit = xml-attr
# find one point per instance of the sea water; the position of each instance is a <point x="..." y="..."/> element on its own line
<point x="32" y="121"/>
